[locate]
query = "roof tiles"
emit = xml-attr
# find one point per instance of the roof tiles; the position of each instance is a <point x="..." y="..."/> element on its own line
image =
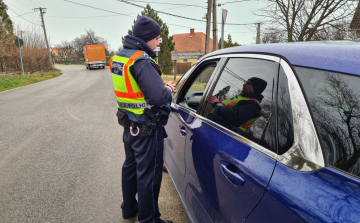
<point x="185" y="43"/>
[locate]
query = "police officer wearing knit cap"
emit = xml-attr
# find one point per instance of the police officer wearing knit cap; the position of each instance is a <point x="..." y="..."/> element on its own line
<point x="240" y="112"/>
<point x="138" y="85"/>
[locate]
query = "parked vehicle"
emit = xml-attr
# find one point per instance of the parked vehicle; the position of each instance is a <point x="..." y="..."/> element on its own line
<point x="298" y="162"/>
<point x="94" y="56"/>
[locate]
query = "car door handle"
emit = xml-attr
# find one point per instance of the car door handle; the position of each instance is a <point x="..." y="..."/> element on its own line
<point x="182" y="130"/>
<point x="232" y="174"/>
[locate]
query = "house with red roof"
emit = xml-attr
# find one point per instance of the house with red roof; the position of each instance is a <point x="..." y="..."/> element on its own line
<point x="189" y="47"/>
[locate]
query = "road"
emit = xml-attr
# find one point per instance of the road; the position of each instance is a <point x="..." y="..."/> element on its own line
<point x="61" y="152"/>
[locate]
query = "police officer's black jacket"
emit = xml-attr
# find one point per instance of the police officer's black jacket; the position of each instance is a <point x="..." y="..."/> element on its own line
<point x="243" y="112"/>
<point x="147" y="76"/>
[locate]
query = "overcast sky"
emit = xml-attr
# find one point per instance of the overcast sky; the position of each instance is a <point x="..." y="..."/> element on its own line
<point x="65" y="20"/>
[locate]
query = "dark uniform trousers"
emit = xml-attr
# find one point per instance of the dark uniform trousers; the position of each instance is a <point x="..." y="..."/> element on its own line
<point x="142" y="174"/>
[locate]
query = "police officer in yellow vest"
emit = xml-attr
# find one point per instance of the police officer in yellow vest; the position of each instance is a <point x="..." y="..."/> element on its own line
<point x="142" y="99"/>
<point x="240" y="112"/>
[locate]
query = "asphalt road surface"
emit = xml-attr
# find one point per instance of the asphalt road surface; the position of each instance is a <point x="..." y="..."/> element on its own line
<point x="61" y="152"/>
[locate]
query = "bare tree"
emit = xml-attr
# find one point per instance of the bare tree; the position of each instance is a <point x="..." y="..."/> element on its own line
<point x="88" y="38"/>
<point x="336" y="32"/>
<point x="272" y="35"/>
<point x="65" y="50"/>
<point x="340" y="105"/>
<point x="302" y="20"/>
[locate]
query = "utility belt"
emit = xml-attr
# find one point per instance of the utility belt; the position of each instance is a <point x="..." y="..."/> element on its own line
<point x="156" y="119"/>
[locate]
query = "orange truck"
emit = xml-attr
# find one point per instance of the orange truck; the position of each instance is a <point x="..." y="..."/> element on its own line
<point x="94" y="56"/>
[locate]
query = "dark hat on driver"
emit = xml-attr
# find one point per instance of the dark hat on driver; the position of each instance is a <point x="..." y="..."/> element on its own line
<point x="146" y="28"/>
<point x="258" y="84"/>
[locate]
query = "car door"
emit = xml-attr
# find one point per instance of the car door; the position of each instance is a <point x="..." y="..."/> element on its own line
<point x="227" y="170"/>
<point x="181" y="117"/>
<point x="317" y="178"/>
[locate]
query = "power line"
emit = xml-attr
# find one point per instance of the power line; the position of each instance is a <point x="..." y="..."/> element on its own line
<point x="98" y="8"/>
<point x="23" y="18"/>
<point x="162" y="3"/>
<point x="33" y="3"/>
<point x="220" y="4"/>
<point x="179" y="16"/>
<point x="14" y="7"/>
<point x="73" y="17"/>
<point x="226" y="81"/>
<point x="21" y="15"/>
<point x="123" y="15"/>
<point x="233" y="74"/>
<point x="183" y="17"/>
<point x="27" y="4"/>
<point x="80" y="17"/>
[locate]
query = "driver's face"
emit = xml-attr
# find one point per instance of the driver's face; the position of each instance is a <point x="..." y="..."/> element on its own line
<point x="248" y="88"/>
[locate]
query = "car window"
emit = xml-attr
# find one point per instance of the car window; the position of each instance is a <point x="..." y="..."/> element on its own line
<point x="285" y="118"/>
<point x="195" y="85"/>
<point x="183" y="77"/>
<point x="243" y="99"/>
<point x="201" y="81"/>
<point x="334" y="100"/>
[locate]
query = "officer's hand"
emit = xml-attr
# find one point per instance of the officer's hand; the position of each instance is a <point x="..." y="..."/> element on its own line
<point x="172" y="85"/>
<point x="213" y="100"/>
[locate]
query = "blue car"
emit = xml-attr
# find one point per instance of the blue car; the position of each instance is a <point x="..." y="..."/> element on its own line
<point x="268" y="133"/>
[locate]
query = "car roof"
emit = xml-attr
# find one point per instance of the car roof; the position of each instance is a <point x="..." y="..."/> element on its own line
<point x="337" y="56"/>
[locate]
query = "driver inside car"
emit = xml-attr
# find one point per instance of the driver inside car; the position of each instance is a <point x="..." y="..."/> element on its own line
<point x="239" y="112"/>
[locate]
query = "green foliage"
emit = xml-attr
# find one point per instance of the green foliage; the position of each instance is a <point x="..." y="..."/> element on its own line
<point x="228" y="43"/>
<point x="6" y="23"/>
<point x="6" y="27"/>
<point x="166" y="46"/>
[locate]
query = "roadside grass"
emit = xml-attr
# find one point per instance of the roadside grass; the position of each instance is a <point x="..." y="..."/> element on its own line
<point x="198" y="87"/>
<point x="167" y="78"/>
<point x="11" y="81"/>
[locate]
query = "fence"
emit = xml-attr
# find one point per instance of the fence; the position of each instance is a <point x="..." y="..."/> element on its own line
<point x="182" y="67"/>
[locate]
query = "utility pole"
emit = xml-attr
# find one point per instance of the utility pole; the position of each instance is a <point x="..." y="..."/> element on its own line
<point x="42" y="12"/>
<point x="224" y="15"/>
<point x="215" y="42"/>
<point x="208" y="24"/>
<point x="21" y="32"/>
<point x="258" y="33"/>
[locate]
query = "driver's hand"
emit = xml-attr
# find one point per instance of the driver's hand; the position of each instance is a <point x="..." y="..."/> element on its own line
<point x="213" y="100"/>
<point x="172" y="85"/>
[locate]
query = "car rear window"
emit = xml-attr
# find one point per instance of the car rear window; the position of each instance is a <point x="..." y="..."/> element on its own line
<point x="334" y="101"/>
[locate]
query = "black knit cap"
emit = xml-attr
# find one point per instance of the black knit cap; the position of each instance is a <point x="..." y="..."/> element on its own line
<point x="146" y="28"/>
<point x="258" y="84"/>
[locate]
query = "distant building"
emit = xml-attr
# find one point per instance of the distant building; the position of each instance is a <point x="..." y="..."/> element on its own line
<point x="355" y="23"/>
<point x="63" y="53"/>
<point x="189" y="47"/>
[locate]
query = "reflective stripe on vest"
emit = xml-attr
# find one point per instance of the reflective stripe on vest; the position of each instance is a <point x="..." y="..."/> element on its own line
<point x="232" y="103"/>
<point x="247" y="124"/>
<point x="134" y="105"/>
<point x="128" y="93"/>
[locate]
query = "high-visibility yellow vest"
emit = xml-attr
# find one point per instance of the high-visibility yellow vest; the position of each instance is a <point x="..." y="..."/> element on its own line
<point x="128" y="94"/>
<point x="232" y="103"/>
